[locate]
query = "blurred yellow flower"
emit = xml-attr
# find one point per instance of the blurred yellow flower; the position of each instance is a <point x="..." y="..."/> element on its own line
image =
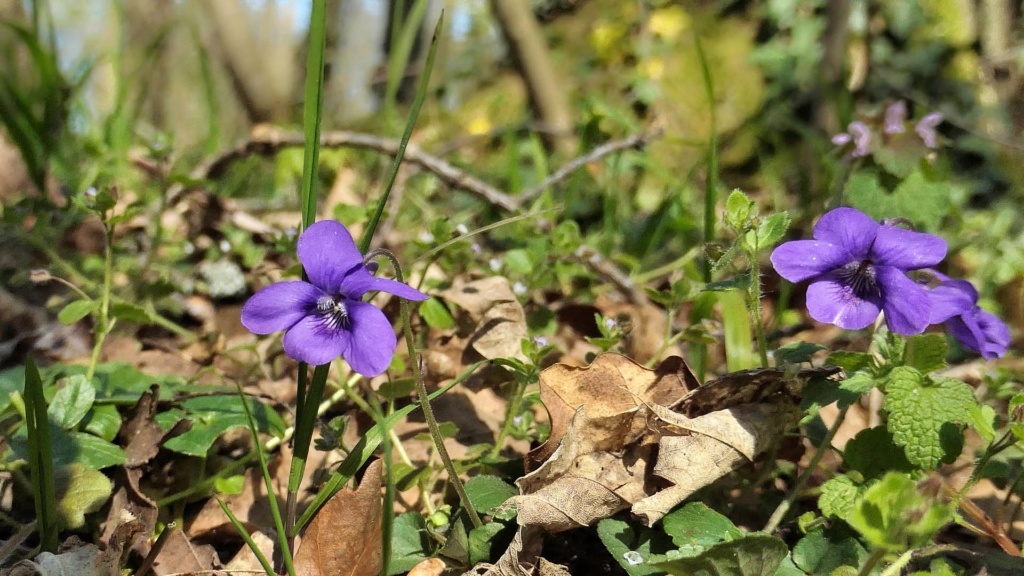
<point x="605" y="39"/>
<point x="479" y="126"/>
<point x="669" y="22"/>
<point x="653" y="68"/>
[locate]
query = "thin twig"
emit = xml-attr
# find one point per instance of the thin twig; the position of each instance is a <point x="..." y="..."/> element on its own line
<point x="635" y="141"/>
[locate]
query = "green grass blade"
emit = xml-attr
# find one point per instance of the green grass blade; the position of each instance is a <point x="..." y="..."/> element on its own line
<point x="711" y="194"/>
<point x="304" y="424"/>
<point x="247" y="538"/>
<point x="362" y="451"/>
<point x="275" y="511"/>
<point x="739" y="348"/>
<point x="403" y="38"/>
<point x="421" y="93"/>
<point x="312" y="109"/>
<point x="40" y="458"/>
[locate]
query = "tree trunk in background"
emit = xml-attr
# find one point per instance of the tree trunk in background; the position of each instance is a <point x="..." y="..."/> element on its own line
<point x="530" y="54"/>
<point x="146" y="57"/>
<point x="257" y="52"/>
<point x="357" y="56"/>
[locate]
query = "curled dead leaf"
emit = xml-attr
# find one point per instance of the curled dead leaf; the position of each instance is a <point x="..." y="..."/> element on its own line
<point x="344" y="539"/>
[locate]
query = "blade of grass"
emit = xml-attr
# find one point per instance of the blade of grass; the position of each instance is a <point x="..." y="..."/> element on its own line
<point x="282" y="536"/>
<point x="314" y="100"/>
<point x="363" y="450"/>
<point x="414" y="113"/>
<point x="403" y="37"/>
<point x="245" y="536"/>
<point x="40" y="459"/>
<point x="711" y="194"/>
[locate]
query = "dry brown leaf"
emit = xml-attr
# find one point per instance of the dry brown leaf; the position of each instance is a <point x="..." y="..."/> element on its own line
<point x="344" y="539"/>
<point x="616" y="444"/>
<point x="479" y="296"/>
<point x="245" y="559"/>
<point x="180" y="555"/>
<point x="251" y="506"/>
<point x="500" y="332"/>
<point x="429" y="567"/>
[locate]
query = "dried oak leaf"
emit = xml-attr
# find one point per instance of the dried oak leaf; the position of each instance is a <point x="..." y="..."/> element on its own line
<point x="180" y="555"/>
<point x="344" y="539"/>
<point x="616" y="444"/>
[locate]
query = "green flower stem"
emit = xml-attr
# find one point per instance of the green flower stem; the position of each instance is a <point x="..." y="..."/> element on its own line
<point x="872" y="561"/>
<point x="247" y="538"/>
<point x="103" y="323"/>
<point x="421" y="391"/>
<point x="711" y="192"/>
<point x="894" y="568"/>
<point x="506" y="427"/>
<point x="388" y="507"/>
<point x="754" y="296"/>
<point x="794" y="492"/>
<point x="305" y="422"/>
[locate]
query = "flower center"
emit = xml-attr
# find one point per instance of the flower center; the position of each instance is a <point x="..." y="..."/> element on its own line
<point x="861" y="277"/>
<point x="333" y="311"/>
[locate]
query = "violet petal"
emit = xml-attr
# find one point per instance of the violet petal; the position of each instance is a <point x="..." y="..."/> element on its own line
<point x="906" y="249"/>
<point x="327" y="253"/>
<point x="997" y="334"/>
<point x="861" y="138"/>
<point x="359" y="281"/>
<point x="906" y="304"/>
<point x="925" y="128"/>
<point x="949" y="300"/>
<point x="279" y="306"/>
<point x="373" y="339"/>
<point x="849" y="228"/>
<point x="895" y="116"/>
<point x="967" y="331"/>
<point x="799" y="260"/>
<point x="833" y="301"/>
<point x="312" y="341"/>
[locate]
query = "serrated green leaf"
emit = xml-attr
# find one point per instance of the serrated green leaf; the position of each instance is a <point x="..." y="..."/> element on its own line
<point x="859" y="383"/>
<point x="796" y="352"/>
<point x="410" y="543"/>
<point x="697" y="525"/>
<point x="436" y="315"/>
<point x="487" y="542"/>
<point x="488" y="492"/>
<point x="822" y="551"/>
<point x="894" y="515"/>
<point x="72" y="401"/>
<point x="128" y="312"/>
<point x="754" y="555"/>
<point x="838" y="496"/>
<point x="103" y="420"/>
<point x="77" y="310"/>
<point x="872" y="452"/>
<point x="926" y="416"/>
<point x="772" y="229"/>
<point x="73" y="447"/>
<point x="983" y="420"/>
<point x="820" y="392"/>
<point x="926" y="352"/>
<point x="80" y="490"/>
<point x="631" y="546"/>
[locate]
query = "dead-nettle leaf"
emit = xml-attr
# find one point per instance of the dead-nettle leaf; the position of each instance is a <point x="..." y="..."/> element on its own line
<point x="624" y="436"/>
<point x="344" y="538"/>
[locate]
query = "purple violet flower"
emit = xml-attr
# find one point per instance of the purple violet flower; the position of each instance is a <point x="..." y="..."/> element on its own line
<point x="858" y="133"/>
<point x="955" y="302"/>
<point x="325" y="318"/>
<point x="925" y="128"/>
<point x="857" y="268"/>
<point x="895" y="116"/>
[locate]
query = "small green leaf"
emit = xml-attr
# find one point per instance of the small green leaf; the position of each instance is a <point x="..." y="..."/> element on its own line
<point x="771" y="229"/>
<point x="103" y="420"/>
<point x="820" y="392"/>
<point x="211" y="416"/>
<point x="488" y="492"/>
<point x="487" y="542"/>
<point x="838" y="496"/>
<point x="77" y="310"/>
<point x="850" y="362"/>
<point x="754" y="555"/>
<point x="983" y="420"/>
<point x="631" y="545"/>
<point x="822" y="551"/>
<point x="72" y="401"/>
<point x="894" y="515"/>
<point x="737" y="209"/>
<point x="410" y="543"/>
<point x="926" y="416"/>
<point x="699" y="526"/>
<point x="230" y="484"/>
<point x="872" y="452"/>
<point x="80" y="490"/>
<point x="436" y="315"/>
<point x="518" y="262"/>
<point x="796" y="352"/>
<point x="926" y="352"/>
<point x="129" y="313"/>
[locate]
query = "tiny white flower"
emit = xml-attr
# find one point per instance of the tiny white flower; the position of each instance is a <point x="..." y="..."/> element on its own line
<point x="609" y="323"/>
<point x="291" y="232"/>
<point x="540" y="341"/>
<point x="517" y="420"/>
<point x="225" y="246"/>
<point x="461" y="229"/>
<point x="426" y="237"/>
<point x="519" y="288"/>
<point x="495" y="264"/>
<point x="91" y="192"/>
<point x="476" y="248"/>
<point x="189" y="248"/>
